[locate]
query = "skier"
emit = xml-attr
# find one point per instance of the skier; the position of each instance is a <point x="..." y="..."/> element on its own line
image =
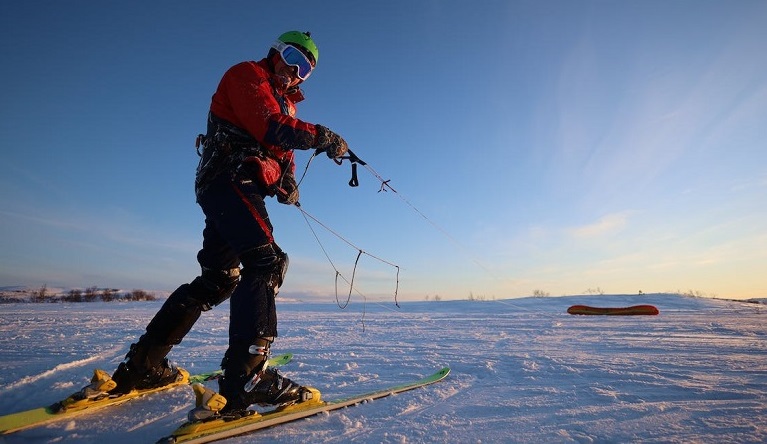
<point x="247" y="155"/>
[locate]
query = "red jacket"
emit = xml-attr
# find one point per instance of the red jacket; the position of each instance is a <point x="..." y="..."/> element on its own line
<point x="249" y="98"/>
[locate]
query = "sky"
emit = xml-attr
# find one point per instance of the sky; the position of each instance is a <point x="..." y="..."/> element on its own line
<point x="555" y="147"/>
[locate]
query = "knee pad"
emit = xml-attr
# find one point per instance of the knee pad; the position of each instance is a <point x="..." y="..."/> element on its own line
<point x="213" y="287"/>
<point x="267" y="262"/>
<point x="175" y="318"/>
<point x="183" y="307"/>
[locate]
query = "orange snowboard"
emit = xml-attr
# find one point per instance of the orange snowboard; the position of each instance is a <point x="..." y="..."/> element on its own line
<point x="624" y="311"/>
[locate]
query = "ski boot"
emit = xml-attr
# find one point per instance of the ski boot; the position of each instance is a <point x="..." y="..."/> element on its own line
<point x="137" y="371"/>
<point x="265" y="388"/>
<point x="272" y="389"/>
<point x="247" y="381"/>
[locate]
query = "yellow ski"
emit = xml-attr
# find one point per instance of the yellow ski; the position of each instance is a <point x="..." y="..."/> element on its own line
<point x="77" y="404"/>
<point x="216" y="429"/>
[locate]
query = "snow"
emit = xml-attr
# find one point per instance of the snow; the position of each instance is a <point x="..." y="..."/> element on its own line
<point x="523" y="370"/>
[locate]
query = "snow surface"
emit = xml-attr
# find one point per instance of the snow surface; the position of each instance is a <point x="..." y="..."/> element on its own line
<point x="523" y="370"/>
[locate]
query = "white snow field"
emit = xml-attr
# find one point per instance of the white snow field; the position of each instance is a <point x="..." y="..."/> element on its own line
<point x="523" y="370"/>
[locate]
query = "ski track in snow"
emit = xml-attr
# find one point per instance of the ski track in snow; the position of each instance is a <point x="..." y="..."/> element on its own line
<point x="58" y="369"/>
<point x="177" y="411"/>
<point x="522" y="370"/>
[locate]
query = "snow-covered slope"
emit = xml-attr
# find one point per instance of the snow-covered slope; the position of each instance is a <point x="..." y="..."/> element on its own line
<point x="523" y="370"/>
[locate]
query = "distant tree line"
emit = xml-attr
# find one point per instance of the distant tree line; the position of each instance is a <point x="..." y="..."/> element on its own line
<point x="90" y="294"/>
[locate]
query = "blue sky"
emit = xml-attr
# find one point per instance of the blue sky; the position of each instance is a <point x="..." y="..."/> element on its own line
<point x="557" y="146"/>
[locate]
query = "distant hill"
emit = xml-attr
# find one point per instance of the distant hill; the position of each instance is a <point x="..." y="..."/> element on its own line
<point x="43" y="294"/>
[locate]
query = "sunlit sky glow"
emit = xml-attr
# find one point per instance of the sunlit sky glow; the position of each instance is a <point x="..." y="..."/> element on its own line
<point x="557" y="146"/>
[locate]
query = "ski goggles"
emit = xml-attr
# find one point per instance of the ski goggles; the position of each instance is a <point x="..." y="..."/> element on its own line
<point x="293" y="56"/>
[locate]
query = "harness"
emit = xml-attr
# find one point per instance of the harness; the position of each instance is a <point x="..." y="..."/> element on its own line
<point x="227" y="149"/>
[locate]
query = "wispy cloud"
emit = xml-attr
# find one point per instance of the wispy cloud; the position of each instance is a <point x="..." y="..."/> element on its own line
<point x="606" y="225"/>
<point x="114" y="225"/>
<point x="623" y="124"/>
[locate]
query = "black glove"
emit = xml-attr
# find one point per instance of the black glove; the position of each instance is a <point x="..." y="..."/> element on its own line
<point x="288" y="190"/>
<point x="330" y="142"/>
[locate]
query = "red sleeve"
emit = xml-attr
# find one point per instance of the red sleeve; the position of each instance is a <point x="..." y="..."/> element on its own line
<point x="246" y="99"/>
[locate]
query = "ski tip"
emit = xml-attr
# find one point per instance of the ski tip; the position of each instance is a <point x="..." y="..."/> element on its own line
<point x="282" y="359"/>
<point x="436" y="377"/>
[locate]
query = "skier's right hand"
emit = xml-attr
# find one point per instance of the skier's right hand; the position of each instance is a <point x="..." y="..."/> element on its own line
<point x="287" y="192"/>
<point x="334" y="145"/>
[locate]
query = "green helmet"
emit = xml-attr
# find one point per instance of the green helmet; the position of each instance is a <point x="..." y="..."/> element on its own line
<point x="302" y="40"/>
